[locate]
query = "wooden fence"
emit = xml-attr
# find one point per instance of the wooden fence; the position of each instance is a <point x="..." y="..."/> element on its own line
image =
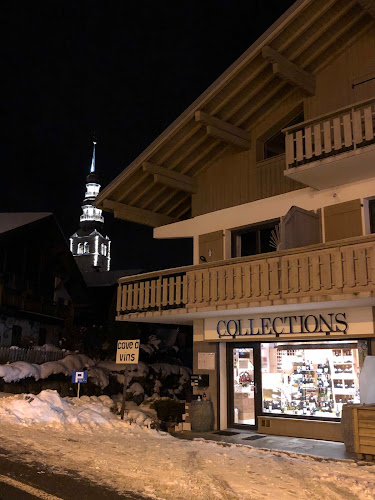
<point x="10" y="355"/>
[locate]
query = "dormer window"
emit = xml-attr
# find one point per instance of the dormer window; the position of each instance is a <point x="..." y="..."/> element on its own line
<point x="80" y="248"/>
<point x="104" y="249"/>
<point x="86" y="247"/>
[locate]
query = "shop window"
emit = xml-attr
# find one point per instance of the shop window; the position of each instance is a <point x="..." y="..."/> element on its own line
<point x="253" y="240"/>
<point x="309" y="379"/>
<point x="275" y="145"/>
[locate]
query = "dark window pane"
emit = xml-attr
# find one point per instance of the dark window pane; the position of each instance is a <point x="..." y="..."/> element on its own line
<point x="249" y="243"/>
<point x="371" y="207"/>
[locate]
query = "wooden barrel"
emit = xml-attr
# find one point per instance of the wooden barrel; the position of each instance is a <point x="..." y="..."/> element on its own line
<point x="202" y="416"/>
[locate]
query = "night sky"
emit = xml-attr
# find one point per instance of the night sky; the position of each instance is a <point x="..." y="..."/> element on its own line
<point x="122" y="70"/>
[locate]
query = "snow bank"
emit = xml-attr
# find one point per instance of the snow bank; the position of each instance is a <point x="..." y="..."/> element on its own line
<point x="49" y="408"/>
<point x="19" y="370"/>
<point x="98" y="372"/>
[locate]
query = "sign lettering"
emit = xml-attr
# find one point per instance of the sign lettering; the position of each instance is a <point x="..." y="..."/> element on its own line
<point x="127" y="351"/>
<point x="299" y="324"/>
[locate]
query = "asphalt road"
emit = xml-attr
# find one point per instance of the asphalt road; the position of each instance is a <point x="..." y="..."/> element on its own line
<point x="21" y="481"/>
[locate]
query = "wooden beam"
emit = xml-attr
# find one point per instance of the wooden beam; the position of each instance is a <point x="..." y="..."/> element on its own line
<point x="208" y="120"/>
<point x="289" y="71"/>
<point x="369" y="6"/>
<point x="223" y="136"/>
<point x="171" y="178"/>
<point x="134" y="214"/>
<point x="173" y="183"/>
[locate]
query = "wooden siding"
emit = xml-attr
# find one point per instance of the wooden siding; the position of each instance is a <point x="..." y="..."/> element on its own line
<point x="318" y="270"/>
<point x="334" y="85"/>
<point x="236" y="180"/>
<point x="343" y="220"/>
<point x="211" y="246"/>
<point x="239" y="178"/>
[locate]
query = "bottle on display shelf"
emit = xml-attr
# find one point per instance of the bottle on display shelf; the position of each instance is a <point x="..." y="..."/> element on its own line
<point x="204" y="397"/>
<point x="199" y="397"/>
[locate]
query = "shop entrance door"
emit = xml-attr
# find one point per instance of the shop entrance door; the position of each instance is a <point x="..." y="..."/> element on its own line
<point x="244" y="391"/>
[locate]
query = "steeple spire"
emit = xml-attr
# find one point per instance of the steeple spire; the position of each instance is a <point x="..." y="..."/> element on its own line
<point x="92" y="168"/>
<point x="90" y="246"/>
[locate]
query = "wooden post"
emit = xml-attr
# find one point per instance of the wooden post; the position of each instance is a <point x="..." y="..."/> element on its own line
<point x="124" y="392"/>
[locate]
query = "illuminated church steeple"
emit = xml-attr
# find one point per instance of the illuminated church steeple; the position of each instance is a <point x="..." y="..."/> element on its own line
<point x="90" y="246"/>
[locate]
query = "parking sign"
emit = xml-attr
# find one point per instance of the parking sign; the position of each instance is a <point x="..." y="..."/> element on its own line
<point x="79" y="377"/>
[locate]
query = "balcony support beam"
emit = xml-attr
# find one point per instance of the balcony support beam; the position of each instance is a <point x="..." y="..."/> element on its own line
<point x="170" y="178"/>
<point x="369" y="6"/>
<point x="223" y="130"/>
<point x="138" y="215"/>
<point x="289" y="71"/>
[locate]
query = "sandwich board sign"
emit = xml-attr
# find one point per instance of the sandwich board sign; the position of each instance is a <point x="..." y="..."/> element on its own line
<point x="128" y="354"/>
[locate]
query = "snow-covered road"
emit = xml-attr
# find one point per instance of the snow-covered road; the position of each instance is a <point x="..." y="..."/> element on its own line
<point x="132" y="458"/>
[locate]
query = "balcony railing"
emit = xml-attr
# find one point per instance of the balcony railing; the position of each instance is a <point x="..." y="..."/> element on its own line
<point x="338" y="269"/>
<point x="345" y="130"/>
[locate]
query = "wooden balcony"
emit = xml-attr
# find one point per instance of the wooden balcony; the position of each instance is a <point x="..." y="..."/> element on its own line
<point x="324" y="272"/>
<point x="333" y="149"/>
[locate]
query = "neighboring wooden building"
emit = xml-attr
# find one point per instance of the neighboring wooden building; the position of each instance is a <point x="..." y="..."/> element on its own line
<point x="271" y="172"/>
<point x="41" y="287"/>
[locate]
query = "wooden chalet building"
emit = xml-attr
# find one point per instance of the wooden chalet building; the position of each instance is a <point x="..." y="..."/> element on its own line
<point x="41" y="288"/>
<point x="271" y="171"/>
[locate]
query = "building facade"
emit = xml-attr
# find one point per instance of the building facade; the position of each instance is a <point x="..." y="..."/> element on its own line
<point x="90" y="246"/>
<point x="41" y="289"/>
<point x="271" y="173"/>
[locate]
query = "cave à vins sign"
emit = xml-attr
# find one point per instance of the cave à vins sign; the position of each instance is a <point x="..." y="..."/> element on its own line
<point x="127" y="351"/>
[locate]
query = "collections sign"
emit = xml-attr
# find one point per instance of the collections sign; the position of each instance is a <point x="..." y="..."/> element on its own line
<point x="353" y="322"/>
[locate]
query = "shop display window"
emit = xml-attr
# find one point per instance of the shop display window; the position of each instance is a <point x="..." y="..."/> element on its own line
<point x="309" y="379"/>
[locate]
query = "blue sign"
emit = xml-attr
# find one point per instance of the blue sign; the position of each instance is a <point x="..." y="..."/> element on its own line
<point x="79" y="377"/>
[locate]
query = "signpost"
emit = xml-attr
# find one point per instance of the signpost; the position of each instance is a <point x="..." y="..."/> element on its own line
<point x="128" y="354"/>
<point x="78" y="378"/>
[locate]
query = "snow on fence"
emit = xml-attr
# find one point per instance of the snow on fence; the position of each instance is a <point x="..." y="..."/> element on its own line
<point x="10" y="355"/>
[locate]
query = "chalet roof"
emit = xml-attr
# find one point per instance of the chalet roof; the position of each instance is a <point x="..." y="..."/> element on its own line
<point x="156" y="188"/>
<point x="13" y="220"/>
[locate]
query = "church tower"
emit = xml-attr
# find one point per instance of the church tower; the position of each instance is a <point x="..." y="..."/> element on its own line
<point x="90" y="246"/>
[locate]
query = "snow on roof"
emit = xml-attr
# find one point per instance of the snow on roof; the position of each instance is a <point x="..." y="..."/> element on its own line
<point x="13" y="220"/>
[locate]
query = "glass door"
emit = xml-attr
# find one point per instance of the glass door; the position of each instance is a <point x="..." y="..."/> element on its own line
<point x="244" y="371"/>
